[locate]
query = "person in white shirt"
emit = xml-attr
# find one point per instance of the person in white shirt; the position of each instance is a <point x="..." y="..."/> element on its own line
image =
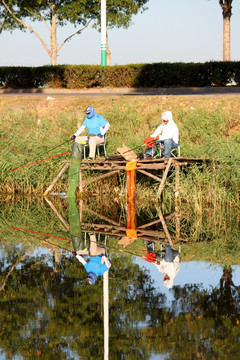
<point x="167" y="134"/>
<point x="169" y="266"/>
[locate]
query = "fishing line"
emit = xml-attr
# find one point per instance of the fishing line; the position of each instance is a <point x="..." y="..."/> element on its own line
<point x="66" y="239"/>
<point x="37" y="162"/>
<point x="40" y="233"/>
<point x="53" y="148"/>
<point x="41" y="154"/>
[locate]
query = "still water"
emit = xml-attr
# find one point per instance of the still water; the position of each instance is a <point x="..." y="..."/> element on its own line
<point x="139" y="307"/>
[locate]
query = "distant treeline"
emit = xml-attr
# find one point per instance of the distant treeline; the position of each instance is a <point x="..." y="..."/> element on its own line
<point x="133" y="75"/>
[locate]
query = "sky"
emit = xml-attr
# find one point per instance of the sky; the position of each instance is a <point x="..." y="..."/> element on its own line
<point x="169" y="31"/>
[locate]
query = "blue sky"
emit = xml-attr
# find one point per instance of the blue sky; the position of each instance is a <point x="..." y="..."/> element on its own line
<point x="170" y="30"/>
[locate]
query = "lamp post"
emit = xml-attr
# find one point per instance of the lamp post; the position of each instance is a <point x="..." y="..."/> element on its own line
<point x="103" y="34"/>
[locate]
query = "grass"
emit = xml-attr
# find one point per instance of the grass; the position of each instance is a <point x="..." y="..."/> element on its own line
<point x="209" y="128"/>
<point x="33" y="213"/>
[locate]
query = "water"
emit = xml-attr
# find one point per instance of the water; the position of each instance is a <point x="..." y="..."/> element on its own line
<point x="49" y="311"/>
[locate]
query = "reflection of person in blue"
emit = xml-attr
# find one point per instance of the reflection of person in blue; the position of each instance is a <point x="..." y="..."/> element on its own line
<point x="98" y="263"/>
<point x="168" y="265"/>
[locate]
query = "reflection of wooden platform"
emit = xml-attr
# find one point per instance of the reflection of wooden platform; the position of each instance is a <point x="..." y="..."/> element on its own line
<point x="115" y="229"/>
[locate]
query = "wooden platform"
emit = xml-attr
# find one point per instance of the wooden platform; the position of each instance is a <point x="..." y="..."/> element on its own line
<point x="112" y="166"/>
<point x="151" y="164"/>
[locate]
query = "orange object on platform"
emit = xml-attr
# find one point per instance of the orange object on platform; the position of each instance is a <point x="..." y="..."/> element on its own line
<point x="150" y="257"/>
<point x="150" y="142"/>
<point x="130" y="168"/>
<point x="131" y="233"/>
<point x="131" y="165"/>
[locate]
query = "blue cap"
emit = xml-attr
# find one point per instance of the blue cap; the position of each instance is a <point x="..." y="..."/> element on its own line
<point x="90" y="111"/>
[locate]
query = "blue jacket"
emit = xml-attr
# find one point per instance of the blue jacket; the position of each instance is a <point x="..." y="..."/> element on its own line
<point x="94" y="124"/>
<point x="95" y="265"/>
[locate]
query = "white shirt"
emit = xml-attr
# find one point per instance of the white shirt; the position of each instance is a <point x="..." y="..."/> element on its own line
<point x="167" y="131"/>
<point x="169" y="268"/>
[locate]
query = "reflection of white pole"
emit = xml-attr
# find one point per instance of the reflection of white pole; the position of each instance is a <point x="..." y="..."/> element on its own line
<point x="103" y="34"/>
<point x="106" y="314"/>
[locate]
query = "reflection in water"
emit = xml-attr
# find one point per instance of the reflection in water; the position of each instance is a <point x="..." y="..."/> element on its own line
<point x="167" y="262"/>
<point x="56" y="314"/>
<point x="93" y="258"/>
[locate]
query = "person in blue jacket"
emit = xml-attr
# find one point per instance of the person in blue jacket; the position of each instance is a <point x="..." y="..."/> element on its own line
<point x="97" y="127"/>
<point x="98" y="263"/>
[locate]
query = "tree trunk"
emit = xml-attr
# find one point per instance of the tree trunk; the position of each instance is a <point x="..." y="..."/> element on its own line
<point x="226" y="39"/>
<point x="108" y="54"/>
<point x="226" y="6"/>
<point x="53" y="36"/>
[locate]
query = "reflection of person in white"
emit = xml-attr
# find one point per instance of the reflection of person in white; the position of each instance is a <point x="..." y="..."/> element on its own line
<point x="169" y="266"/>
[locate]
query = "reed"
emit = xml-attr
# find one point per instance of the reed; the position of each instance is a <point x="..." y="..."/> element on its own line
<point x="209" y="127"/>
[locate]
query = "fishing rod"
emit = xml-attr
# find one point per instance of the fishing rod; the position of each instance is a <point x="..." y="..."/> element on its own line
<point x="37" y="162"/>
<point x="66" y="239"/>
<point x="41" y="153"/>
<point x="40" y="233"/>
<point x="55" y="147"/>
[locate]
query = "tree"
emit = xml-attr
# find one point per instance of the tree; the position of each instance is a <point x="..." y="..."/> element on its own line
<point x="226" y="6"/>
<point x="81" y="13"/>
<point x="7" y="22"/>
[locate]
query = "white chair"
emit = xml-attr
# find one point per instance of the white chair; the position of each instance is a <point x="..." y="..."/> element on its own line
<point x="103" y="145"/>
<point x="97" y="148"/>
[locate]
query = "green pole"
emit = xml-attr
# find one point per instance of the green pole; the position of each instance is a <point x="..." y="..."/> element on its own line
<point x="104" y="55"/>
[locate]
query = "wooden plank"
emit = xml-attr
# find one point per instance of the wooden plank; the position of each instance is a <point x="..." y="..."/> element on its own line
<point x="150" y="175"/>
<point x="103" y="168"/>
<point x="151" y="166"/>
<point x="149" y="224"/>
<point x="127" y="153"/>
<point x="121" y="234"/>
<point x="100" y="216"/>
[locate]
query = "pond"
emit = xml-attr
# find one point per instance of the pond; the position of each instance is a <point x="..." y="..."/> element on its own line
<point x="132" y="311"/>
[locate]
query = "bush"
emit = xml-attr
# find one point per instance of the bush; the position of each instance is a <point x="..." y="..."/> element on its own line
<point x="133" y="75"/>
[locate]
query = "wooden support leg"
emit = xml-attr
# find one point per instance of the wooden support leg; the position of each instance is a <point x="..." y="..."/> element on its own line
<point x="84" y="182"/>
<point x="58" y="177"/>
<point x="177" y="201"/>
<point x="65" y="223"/>
<point x="80" y="181"/>
<point x="81" y="210"/>
<point x="165" y="227"/>
<point x="162" y="184"/>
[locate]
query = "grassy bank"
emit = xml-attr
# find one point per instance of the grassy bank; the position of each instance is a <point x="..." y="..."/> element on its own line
<point x="209" y="128"/>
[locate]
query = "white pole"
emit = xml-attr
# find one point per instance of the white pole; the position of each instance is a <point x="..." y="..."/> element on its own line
<point x="103" y="34"/>
<point x="106" y="315"/>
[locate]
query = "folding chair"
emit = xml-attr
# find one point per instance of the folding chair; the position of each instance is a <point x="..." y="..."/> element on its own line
<point x="160" y="148"/>
<point x="104" y="146"/>
<point x="97" y="148"/>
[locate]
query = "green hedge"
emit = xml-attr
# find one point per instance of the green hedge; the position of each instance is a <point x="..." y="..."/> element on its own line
<point x="133" y="75"/>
